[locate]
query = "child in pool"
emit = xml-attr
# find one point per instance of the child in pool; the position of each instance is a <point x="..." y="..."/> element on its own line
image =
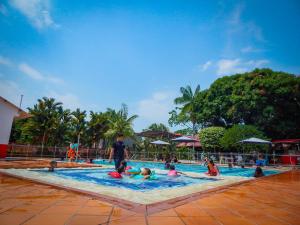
<point x="145" y="174"/>
<point x="173" y="172"/>
<point x="122" y="167"/>
<point x="258" y="172"/>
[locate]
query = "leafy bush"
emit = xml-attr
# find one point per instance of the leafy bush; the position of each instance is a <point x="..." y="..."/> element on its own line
<point x="210" y="138"/>
<point x="240" y="132"/>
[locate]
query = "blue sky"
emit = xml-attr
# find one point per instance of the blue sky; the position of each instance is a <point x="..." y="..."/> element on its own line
<point x="99" y="54"/>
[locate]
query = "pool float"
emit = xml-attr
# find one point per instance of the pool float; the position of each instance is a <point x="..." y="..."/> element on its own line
<point x="173" y="173"/>
<point x="128" y="168"/>
<point x="115" y="174"/>
<point x="133" y="171"/>
<point x="140" y="176"/>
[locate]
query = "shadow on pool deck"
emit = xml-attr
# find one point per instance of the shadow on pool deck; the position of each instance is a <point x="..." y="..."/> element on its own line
<point x="271" y="200"/>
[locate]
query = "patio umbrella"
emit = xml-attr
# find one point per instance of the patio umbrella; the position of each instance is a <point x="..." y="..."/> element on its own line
<point x="186" y="140"/>
<point x="159" y="142"/>
<point x="254" y="140"/>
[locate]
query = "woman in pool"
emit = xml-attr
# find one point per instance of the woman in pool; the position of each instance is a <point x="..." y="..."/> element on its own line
<point x="212" y="169"/>
<point x="258" y="172"/>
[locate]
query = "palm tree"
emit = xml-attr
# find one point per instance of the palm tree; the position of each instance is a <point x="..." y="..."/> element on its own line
<point x="189" y="104"/>
<point x="62" y="127"/>
<point x="119" y="122"/>
<point x="97" y="126"/>
<point x="78" y="124"/>
<point x="157" y="127"/>
<point x="42" y="122"/>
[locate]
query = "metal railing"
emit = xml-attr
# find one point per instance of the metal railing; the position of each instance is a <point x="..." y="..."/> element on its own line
<point x="33" y="151"/>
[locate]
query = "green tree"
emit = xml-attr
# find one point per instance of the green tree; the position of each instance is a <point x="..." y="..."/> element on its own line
<point x="210" y="138"/>
<point x="78" y="124"/>
<point x="240" y="132"/>
<point x="38" y="128"/>
<point x="189" y="107"/>
<point x="62" y="127"/>
<point x="97" y="127"/>
<point x="157" y="127"/>
<point x="120" y="122"/>
<point x="264" y="98"/>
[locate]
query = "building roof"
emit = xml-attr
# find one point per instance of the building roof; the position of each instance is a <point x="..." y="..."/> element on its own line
<point x="21" y="112"/>
<point x="157" y="134"/>
<point x="286" y="141"/>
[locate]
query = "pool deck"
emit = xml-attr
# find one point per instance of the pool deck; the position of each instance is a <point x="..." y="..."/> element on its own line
<point x="265" y="201"/>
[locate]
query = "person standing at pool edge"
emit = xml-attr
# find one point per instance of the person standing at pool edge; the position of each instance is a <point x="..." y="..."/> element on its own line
<point x="118" y="151"/>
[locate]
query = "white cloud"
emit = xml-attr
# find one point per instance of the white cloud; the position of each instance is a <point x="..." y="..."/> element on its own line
<point x="5" y="61"/>
<point x="31" y="72"/>
<point x="250" y="49"/>
<point x="205" y="66"/>
<point x="36" y="11"/>
<point x="156" y="108"/>
<point x="228" y="66"/>
<point x="37" y="75"/>
<point x="69" y="100"/>
<point x="233" y="66"/>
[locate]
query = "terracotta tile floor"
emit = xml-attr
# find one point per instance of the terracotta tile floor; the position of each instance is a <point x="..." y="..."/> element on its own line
<point x="272" y="200"/>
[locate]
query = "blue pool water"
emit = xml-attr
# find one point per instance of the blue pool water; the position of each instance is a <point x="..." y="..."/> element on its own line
<point x="100" y="176"/>
<point x="225" y="171"/>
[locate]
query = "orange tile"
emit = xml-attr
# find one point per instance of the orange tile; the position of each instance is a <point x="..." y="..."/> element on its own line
<point x="206" y="220"/>
<point x="100" y="211"/>
<point x="58" y="210"/>
<point x="266" y="220"/>
<point x="233" y="220"/>
<point x="219" y="212"/>
<point x="8" y="219"/>
<point x="48" y="220"/>
<point x="119" y="213"/>
<point x="190" y="211"/>
<point x="169" y="212"/>
<point x="164" y="221"/>
<point x="88" y="220"/>
<point x="129" y="221"/>
<point x="94" y="202"/>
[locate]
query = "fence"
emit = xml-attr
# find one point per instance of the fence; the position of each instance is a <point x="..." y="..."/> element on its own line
<point x="30" y="151"/>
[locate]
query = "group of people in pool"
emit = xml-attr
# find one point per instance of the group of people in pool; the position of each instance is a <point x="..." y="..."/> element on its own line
<point x="119" y="154"/>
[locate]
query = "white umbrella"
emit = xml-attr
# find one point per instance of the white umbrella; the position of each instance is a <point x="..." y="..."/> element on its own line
<point x="184" y="139"/>
<point x="254" y="140"/>
<point x="159" y="142"/>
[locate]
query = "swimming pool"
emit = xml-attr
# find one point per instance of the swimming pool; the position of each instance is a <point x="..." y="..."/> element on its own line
<point x="196" y="168"/>
<point x="101" y="177"/>
<point x="95" y="181"/>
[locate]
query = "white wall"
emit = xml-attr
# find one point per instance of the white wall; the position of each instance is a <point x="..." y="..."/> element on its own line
<point x="7" y="114"/>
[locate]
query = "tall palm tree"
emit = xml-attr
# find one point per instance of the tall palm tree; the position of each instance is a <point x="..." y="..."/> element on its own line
<point x="120" y="122"/>
<point x="78" y="123"/>
<point x="189" y="104"/>
<point x="42" y="122"/>
<point x="61" y="133"/>
<point x="157" y="127"/>
<point x="97" y="126"/>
